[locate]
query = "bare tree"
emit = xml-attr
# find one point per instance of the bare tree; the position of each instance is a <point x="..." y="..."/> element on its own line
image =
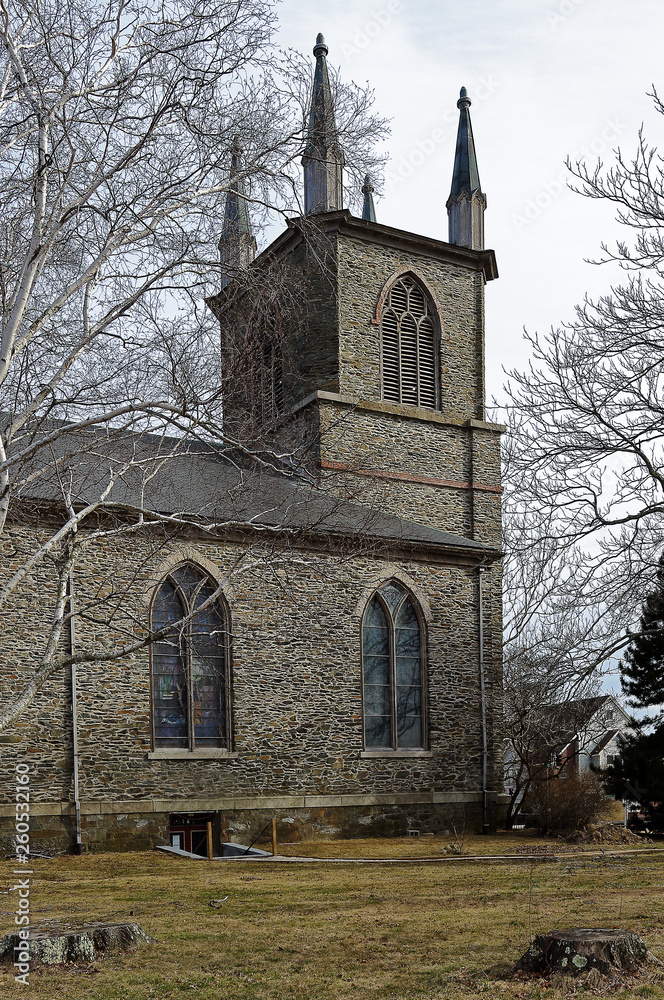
<point x="545" y="707"/>
<point x="584" y="471"/>
<point x="116" y="121"/>
<point x="585" y="454"/>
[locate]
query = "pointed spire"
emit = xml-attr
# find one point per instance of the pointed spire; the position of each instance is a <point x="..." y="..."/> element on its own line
<point x="368" y="210"/>
<point x="466" y="203"/>
<point x="322" y="160"/>
<point x="237" y="246"/>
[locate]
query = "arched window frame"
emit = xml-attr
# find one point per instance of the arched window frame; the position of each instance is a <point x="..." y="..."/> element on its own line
<point x="435" y="314"/>
<point x="184" y="634"/>
<point x="423" y="645"/>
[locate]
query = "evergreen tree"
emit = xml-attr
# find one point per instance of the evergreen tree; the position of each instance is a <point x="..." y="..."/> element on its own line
<point x="642" y="670"/>
<point x="638" y="775"/>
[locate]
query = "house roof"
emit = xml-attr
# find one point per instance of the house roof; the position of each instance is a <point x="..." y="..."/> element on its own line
<point x="567" y="720"/>
<point x="204" y="483"/>
<point x="604" y="742"/>
<point x="556" y="726"/>
<point x="579" y="710"/>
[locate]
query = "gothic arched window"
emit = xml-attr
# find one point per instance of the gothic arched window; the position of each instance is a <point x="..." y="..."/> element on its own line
<point x="272" y="381"/>
<point x="263" y="382"/>
<point x="409" y="346"/>
<point x="190" y="664"/>
<point x="392" y="649"/>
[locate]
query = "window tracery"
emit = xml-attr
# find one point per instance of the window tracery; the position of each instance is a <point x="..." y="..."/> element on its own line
<point x="409" y="346"/>
<point x="392" y="650"/>
<point x="190" y="663"/>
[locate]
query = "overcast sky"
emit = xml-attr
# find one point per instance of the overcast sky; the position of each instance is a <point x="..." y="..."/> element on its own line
<point x="548" y="79"/>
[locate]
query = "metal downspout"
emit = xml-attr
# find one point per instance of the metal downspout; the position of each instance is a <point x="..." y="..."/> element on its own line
<point x="485" y="746"/>
<point x="74" y="716"/>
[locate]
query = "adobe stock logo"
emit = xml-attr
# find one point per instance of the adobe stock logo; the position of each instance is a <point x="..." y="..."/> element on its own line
<point x="562" y="12"/>
<point x="552" y="189"/>
<point x="364" y="36"/>
<point x="425" y="147"/>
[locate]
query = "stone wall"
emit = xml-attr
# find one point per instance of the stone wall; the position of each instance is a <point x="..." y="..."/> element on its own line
<point x="414" y="463"/>
<point x="440" y="468"/>
<point x="296" y="683"/>
<point x="141" y="825"/>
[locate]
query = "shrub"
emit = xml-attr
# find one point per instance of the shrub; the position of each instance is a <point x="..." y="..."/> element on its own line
<point x="565" y="804"/>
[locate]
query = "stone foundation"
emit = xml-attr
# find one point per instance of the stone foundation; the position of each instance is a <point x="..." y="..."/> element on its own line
<point x="135" y="826"/>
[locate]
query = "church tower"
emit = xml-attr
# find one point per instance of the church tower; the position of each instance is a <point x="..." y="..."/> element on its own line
<point x="382" y="401"/>
<point x="381" y="371"/>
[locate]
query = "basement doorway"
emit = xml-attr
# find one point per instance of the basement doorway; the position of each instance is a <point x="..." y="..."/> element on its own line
<point x="188" y="831"/>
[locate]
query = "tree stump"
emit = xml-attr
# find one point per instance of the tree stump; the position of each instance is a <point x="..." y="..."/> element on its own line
<point x="581" y="949"/>
<point x="55" y="944"/>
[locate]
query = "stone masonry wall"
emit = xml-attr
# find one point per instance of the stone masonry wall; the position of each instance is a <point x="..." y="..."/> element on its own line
<point x="410" y="453"/>
<point x="296" y="684"/>
<point x="133" y="829"/>
<point x="410" y="449"/>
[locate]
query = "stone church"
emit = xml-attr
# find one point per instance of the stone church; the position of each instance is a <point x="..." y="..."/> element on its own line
<point x="348" y="683"/>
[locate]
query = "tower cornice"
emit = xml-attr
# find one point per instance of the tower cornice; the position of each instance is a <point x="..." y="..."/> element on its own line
<point x="345" y="224"/>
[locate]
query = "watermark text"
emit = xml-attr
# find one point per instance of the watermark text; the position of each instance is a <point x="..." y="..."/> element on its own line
<point x="22" y="886"/>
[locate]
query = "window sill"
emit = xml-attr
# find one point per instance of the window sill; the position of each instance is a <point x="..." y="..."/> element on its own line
<point x="205" y="753"/>
<point x="397" y="753"/>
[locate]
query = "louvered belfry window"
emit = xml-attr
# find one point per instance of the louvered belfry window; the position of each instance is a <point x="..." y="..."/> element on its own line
<point x="271" y="382"/>
<point x="408" y="334"/>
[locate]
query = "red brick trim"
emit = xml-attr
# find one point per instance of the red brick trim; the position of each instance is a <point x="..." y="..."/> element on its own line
<point x="406" y="478"/>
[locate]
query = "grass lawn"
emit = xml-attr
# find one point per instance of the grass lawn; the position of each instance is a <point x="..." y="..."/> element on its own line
<point x="519" y="843"/>
<point x="309" y="931"/>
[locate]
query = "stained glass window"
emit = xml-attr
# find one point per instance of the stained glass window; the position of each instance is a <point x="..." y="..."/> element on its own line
<point x="189" y="663"/>
<point x="392" y="671"/>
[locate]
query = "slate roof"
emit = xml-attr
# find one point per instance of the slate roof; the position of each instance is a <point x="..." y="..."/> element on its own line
<point x="605" y="740"/>
<point x="199" y="482"/>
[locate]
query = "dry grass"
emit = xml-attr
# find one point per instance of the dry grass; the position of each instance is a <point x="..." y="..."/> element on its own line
<point x="518" y="842"/>
<point x="309" y="931"/>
